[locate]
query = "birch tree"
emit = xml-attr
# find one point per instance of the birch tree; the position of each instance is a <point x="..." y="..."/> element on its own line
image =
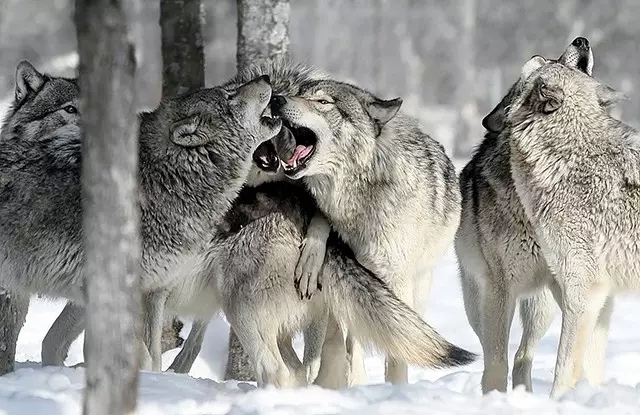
<point x="111" y="224"/>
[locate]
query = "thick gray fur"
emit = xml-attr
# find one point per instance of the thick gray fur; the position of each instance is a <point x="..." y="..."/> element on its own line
<point x="385" y="186"/>
<point x="576" y="172"/>
<point x="195" y="153"/>
<point x="498" y="255"/>
<point x="285" y="77"/>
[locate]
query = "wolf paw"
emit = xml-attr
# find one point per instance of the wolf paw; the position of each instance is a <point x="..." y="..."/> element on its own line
<point x="307" y="274"/>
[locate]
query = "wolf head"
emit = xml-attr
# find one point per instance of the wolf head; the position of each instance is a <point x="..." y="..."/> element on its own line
<point x="558" y="95"/>
<point x="578" y="55"/>
<point x="286" y="78"/>
<point x="45" y="113"/>
<point x="326" y="114"/>
<point x="201" y="122"/>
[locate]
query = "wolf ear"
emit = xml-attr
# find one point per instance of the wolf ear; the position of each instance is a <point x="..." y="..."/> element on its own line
<point x="382" y="111"/>
<point x="494" y="121"/>
<point x="608" y="97"/>
<point x="28" y="80"/>
<point x="185" y="133"/>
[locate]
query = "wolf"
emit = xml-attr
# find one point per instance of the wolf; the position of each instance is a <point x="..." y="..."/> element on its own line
<point x="250" y="277"/>
<point x="499" y="258"/>
<point x="576" y="172"/>
<point x="286" y="77"/>
<point x="194" y="155"/>
<point x="386" y="187"/>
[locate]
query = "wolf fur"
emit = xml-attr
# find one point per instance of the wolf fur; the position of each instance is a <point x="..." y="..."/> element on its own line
<point x="387" y="188"/>
<point x="285" y="77"/>
<point x="575" y="170"/>
<point x="252" y="261"/>
<point x="194" y="158"/>
<point x="498" y="256"/>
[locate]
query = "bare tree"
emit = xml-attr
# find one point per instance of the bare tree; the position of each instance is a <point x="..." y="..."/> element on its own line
<point x="182" y="70"/>
<point x="13" y="312"/>
<point x="469" y="131"/>
<point x="263" y="34"/>
<point x="111" y="223"/>
<point x="263" y="30"/>
<point x="182" y="49"/>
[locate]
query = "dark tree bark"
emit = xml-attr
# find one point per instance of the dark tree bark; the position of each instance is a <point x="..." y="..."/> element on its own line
<point x="468" y="132"/>
<point x="182" y="50"/>
<point x="263" y="34"/>
<point x="263" y="30"/>
<point x="181" y="24"/>
<point x="13" y="312"/>
<point x="111" y="220"/>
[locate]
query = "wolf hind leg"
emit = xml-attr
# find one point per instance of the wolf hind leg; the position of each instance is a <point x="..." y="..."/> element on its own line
<point x="314" y="336"/>
<point x="67" y="327"/>
<point x="536" y="315"/>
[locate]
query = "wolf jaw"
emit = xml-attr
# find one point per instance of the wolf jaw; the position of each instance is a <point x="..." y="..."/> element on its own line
<point x="305" y="148"/>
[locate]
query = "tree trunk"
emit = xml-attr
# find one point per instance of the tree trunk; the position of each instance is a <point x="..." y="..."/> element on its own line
<point x="469" y="131"/>
<point x="182" y="50"/>
<point x="263" y="34"/>
<point x="111" y="220"/>
<point x="13" y="312"/>
<point x="181" y="24"/>
<point x="13" y="307"/>
<point x="263" y="30"/>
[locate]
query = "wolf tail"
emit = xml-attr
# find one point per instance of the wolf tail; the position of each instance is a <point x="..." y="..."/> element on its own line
<point x="367" y="308"/>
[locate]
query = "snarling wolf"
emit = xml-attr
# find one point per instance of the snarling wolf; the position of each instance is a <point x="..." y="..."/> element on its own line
<point x="386" y="187"/>
<point x="195" y="153"/>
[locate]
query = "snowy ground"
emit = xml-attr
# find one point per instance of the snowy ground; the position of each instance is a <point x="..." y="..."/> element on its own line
<point x="58" y="391"/>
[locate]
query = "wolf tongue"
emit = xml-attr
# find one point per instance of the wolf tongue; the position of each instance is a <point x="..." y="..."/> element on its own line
<point x="299" y="152"/>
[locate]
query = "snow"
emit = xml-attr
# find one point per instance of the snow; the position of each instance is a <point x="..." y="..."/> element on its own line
<point x="32" y="389"/>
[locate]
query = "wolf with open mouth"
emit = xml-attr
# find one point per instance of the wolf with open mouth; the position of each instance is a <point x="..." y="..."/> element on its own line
<point x="386" y="187"/>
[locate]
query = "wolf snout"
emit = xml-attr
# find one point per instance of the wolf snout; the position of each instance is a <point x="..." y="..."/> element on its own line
<point x="581" y="43"/>
<point x="277" y="103"/>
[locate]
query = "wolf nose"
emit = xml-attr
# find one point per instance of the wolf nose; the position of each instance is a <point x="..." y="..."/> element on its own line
<point x="581" y="43"/>
<point x="277" y="102"/>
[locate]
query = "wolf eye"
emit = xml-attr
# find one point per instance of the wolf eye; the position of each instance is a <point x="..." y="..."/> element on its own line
<point x="324" y="102"/>
<point x="71" y="109"/>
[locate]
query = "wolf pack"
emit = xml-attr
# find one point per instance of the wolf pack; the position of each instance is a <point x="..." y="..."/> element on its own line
<point x="295" y="203"/>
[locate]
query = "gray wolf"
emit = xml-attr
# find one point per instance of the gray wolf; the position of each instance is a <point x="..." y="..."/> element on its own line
<point x="498" y="255"/>
<point x="285" y="77"/>
<point x="386" y="187"/>
<point x="195" y="153"/>
<point x="576" y="172"/>
<point x="251" y="260"/>
<point x="250" y="276"/>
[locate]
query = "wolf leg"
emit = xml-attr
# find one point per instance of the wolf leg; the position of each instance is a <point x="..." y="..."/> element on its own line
<point x="333" y="364"/>
<point x="67" y="327"/>
<point x="583" y="298"/>
<point x="154" y="318"/>
<point x="597" y="347"/>
<point x="191" y="347"/>
<point x="471" y="299"/>
<point x="314" y="247"/>
<point x="498" y="308"/>
<point x="536" y="314"/>
<point x="296" y="369"/>
<point x="314" y="336"/>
